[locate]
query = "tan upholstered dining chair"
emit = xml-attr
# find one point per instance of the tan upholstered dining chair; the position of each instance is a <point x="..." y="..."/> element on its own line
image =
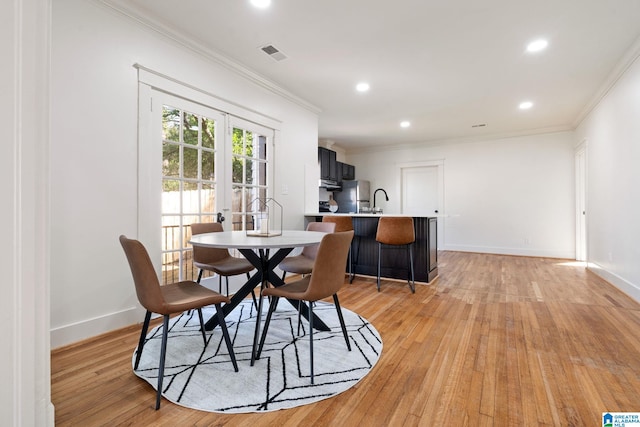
<point x="303" y="263"/>
<point x="325" y="281"/>
<point x="218" y="260"/>
<point x="167" y="300"/>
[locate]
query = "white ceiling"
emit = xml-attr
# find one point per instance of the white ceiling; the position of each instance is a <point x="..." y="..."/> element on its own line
<point x="444" y="65"/>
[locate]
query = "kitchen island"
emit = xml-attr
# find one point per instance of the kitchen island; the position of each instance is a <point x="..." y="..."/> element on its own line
<point x="364" y="248"/>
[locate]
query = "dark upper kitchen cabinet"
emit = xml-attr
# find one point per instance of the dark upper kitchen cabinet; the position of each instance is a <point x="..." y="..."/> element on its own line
<point x="331" y="169"/>
<point x="346" y="172"/>
<point x="328" y="164"/>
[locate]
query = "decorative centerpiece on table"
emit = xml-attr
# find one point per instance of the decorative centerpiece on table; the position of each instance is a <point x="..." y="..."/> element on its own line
<point x="266" y="214"/>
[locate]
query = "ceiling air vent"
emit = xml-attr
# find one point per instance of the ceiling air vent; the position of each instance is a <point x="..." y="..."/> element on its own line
<point x="479" y="125"/>
<point x="273" y="52"/>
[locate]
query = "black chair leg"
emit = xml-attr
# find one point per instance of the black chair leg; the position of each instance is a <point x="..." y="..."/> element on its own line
<point x="357" y="256"/>
<point x="143" y="336"/>
<point x="204" y="336"/>
<point x="379" y="255"/>
<point x="256" y="334"/>
<point x="163" y="352"/>
<point x="219" y="283"/>
<point x="350" y="267"/>
<point x="311" y="339"/>
<point x="299" y="315"/>
<point x="225" y="334"/>
<point x="412" y="284"/>
<point x="342" y="325"/>
<point x="272" y="308"/>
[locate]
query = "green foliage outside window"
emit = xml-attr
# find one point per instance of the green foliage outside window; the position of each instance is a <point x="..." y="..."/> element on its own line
<point x="195" y="131"/>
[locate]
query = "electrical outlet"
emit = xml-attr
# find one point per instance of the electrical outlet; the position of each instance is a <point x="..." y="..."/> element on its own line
<point x="285" y="189"/>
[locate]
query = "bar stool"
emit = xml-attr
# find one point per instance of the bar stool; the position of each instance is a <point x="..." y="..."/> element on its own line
<point x="396" y="231"/>
<point x="343" y="223"/>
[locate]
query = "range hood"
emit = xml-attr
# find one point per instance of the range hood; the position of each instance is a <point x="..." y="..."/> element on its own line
<point x="329" y="184"/>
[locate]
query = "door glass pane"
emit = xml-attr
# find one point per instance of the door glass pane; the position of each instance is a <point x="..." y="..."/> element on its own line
<point x="170" y="249"/>
<point x="190" y="197"/>
<point x="209" y="133"/>
<point x="207" y="198"/>
<point x="170" y="159"/>
<point x="191" y="129"/>
<point x="208" y="165"/>
<point x="171" y="124"/>
<point x="191" y="163"/>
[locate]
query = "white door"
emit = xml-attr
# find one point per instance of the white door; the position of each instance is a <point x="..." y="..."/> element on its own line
<point x="250" y="174"/>
<point x="420" y="191"/>
<point x="194" y="150"/>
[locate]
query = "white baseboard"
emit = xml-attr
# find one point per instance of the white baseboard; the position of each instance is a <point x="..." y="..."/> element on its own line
<point x="79" y="331"/>
<point x="544" y="253"/>
<point x="69" y="334"/>
<point x="625" y="286"/>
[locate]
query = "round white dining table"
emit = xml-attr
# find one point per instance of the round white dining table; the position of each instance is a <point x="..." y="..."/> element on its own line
<point x="241" y="240"/>
<point x="257" y="250"/>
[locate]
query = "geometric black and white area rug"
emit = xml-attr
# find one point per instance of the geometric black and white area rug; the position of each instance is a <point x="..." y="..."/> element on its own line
<point x="203" y="378"/>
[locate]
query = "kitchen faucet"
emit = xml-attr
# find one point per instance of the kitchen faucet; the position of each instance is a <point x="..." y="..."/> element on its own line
<point x="374" y="197"/>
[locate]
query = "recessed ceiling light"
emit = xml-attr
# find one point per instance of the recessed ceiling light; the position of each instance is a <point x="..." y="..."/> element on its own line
<point x="405" y="124"/>
<point x="262" y="4"/>
<point x="362" y="87"/>
<point x="525" y="105"/>
<point x="537" y="45"/>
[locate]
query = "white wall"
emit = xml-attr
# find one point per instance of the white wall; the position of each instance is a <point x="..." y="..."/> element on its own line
<point x="612" y="135"/>
<point x="94" y="155"/>
<point x="509" y="196"/>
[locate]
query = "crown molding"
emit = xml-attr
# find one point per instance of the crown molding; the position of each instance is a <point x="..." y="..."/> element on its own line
<point x="631" y="55"/>
<point x="457" y="140"/>
<point x="126" y="9"/>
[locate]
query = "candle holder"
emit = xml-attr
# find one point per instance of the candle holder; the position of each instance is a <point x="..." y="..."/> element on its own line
<point x="267" y="218"/>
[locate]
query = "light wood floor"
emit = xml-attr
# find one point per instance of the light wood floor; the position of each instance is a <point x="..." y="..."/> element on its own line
<point x="495" y="340"/>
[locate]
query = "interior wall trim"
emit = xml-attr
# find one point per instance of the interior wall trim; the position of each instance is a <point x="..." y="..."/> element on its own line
<point x="622" y="284"/>
<point x="127" y="10"/>
<point x="629" y="58"/>
<point x="167" y="84"/>
<point x="78" y="331"/>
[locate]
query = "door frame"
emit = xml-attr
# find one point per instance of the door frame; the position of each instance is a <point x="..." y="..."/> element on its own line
<point x="153" y="83"/>
<point x="581" y="183"/>
<point x="439" y="164"/>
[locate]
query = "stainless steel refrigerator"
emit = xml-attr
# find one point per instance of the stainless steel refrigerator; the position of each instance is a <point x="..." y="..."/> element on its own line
<point x="354" y="197"/>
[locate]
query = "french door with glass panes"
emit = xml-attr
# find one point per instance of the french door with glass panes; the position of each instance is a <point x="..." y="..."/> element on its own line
<point x="213" y="166"/>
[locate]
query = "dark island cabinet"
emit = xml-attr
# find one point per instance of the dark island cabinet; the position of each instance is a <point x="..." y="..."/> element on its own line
<point x="364" y="250"/>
